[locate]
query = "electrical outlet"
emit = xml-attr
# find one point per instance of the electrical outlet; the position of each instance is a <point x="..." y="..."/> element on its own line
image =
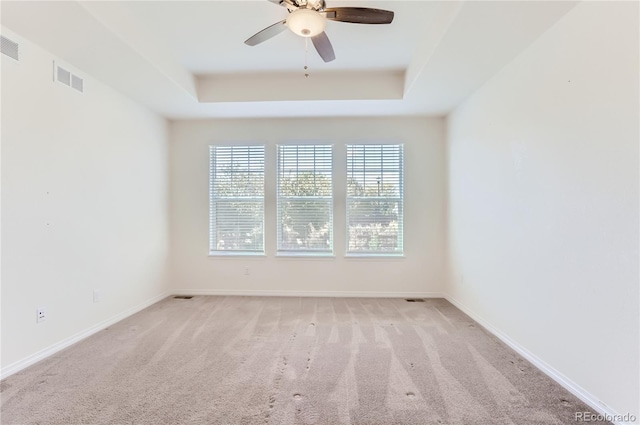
<point x="246" y="271"/>
<point x="97" y="295"/>
<point x="40" y="315"/>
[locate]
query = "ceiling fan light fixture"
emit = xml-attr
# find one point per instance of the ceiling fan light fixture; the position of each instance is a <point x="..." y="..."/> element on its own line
<point x="306" y="22"/>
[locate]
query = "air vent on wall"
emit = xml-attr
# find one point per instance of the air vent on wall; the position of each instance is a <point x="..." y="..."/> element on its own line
<point x="77" y="83"/>
<point x="9" y="48"/>
<point x="65" y="77"/>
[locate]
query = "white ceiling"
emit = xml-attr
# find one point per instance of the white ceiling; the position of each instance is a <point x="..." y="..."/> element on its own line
<point x="221" y="27"/>
<point x="187" y="59"/>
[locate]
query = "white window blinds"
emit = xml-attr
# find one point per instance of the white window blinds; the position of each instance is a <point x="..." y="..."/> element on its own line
<point x="375" y="195"/>
<point x="305" y="199"/>
<point x="236" y="199"/>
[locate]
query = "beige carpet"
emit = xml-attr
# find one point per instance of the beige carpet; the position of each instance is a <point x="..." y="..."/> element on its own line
<point x="250" y="360"/>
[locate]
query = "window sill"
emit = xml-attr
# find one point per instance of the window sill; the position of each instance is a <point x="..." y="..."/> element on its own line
<point x="305" y="255"/>
<point x="376" y="256"/>
<point x="236" y="254"/>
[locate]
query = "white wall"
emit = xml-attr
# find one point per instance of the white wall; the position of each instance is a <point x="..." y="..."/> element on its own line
<point x="420" y="273"/>
<point x="84" y="206"/>
<point x="543" y="170"/>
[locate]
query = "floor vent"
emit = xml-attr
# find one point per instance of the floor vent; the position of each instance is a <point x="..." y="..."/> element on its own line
<point x="183" y="297"/>
<point x="414" y="300"/>
<point x="9" y="48"/>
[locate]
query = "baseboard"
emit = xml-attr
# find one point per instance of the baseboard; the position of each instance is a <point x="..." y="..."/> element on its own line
<point x="327" y="294"/>
<point x="554" y="374"/>
<point x="42" y="354"/>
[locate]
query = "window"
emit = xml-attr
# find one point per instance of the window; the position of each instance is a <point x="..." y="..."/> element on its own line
<point x="305" y="199"/>
<point x="374" y="199"/>
<point x="236" y="199"/>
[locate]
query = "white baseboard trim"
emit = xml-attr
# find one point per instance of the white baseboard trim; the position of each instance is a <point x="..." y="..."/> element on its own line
<point x="42" y="354"/>
<point x="326" y="294"/>
<point x="554" y="374"/>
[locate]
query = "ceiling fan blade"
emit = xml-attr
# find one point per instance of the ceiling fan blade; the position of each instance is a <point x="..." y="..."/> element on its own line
<point x="267" y="33"/>
<point x="324" y="47"/>
<point x="359" y="15"/>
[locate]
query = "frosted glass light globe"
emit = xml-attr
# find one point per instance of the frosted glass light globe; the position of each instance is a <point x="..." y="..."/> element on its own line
<point x="306" y="22"/>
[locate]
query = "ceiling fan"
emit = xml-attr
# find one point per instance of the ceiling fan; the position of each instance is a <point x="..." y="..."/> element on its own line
<point x="308" y="18"/>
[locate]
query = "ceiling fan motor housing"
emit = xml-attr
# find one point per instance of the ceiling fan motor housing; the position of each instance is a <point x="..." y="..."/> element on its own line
<point x="306" y="22"/>
<point x="318" y="5"/>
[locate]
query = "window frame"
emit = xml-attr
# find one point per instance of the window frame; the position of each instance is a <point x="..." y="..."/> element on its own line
<point x="318" y="253"/>
<point x="213" y="252"/>
<point x="400" y="199"/>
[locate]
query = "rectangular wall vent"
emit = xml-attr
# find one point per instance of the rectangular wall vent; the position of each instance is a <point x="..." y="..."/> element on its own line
<point x="64" y="76"/>
<point x="9" y="48"/>
<point x="77" y="83"/>
<point x="183" y="297"/>
<point x="67" y="78"/>
<point x="414" y="300"/>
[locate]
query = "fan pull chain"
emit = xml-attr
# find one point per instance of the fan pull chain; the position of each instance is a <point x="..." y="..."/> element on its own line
<point x="306" y="57"/>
